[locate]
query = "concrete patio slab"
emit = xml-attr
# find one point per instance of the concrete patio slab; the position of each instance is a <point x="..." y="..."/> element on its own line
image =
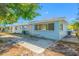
<point x="36" y="46"/>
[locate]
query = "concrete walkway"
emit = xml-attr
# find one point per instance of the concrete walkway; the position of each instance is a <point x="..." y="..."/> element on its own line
<point x="35" y="45"/>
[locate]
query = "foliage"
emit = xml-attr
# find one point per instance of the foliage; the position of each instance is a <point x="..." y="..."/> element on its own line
<point x="70" y="27"/>
<point x="76" y="25"/>
<point x="10" y="12"/>
<point x="76" y="28"/>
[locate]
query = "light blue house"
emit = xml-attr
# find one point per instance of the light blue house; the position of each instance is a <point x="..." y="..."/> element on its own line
<point x="55" y="28"/>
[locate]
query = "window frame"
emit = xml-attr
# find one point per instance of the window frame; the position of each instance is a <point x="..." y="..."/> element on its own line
<point x="38" y="26"/>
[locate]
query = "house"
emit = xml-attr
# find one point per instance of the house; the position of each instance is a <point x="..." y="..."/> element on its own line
<point x="17" y="28"/>
<point x="1" y="28"/>
<point x="55" y="28"/>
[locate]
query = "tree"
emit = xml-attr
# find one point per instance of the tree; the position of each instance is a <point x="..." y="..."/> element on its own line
<point x="10" y="12"/>
<point x="76" y="28"/>
<point x="70" y="27"/>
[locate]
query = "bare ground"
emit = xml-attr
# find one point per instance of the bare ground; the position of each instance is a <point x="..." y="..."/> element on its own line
<point x="17" y="50"/>
<point x="65" y="48"/>
<point x="59" y="49"/>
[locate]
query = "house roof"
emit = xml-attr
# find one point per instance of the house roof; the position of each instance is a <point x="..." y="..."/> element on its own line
<point x="16" y="24"/>
<point x="49" y="20"/>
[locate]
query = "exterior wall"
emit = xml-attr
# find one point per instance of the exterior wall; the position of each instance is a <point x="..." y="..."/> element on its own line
<point x="57" y="34"/>
<point x="1" y="29"/>
<point x="63" y="33"/>
<point x="17" y="29"/>
<point x="47" y="33"/>
<point x="8" y="29"/>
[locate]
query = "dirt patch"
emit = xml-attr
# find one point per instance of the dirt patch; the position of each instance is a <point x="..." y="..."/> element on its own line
<point x="17" y="50"/>
<point x="48" y="52"/>
<point x="63" y="48"/>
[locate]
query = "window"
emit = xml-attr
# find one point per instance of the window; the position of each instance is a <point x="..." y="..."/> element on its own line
<point x="16" y="28"/>
<point x="61" y="26"/>
<point x="36" y="27"/>
<point x="50" y="26"/>
<point x="22" y="27"/>
<point x="40" y="27"/>
<point x="44" y="27"/>
<point x="29" y="27"/>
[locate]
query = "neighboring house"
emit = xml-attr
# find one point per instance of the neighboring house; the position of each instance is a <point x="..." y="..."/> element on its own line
<point x="55" y="28"/>
<point x="16" y="28"/>
<point x="1" y="28"/>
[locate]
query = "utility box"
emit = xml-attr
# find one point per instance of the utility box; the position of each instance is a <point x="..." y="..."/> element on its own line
<point x="69" y="32"/>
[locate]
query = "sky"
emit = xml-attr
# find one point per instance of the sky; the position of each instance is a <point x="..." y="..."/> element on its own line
<point x="50" y="10"/>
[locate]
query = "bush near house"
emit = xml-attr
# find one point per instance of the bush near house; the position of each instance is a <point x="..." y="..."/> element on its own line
<point x="75" y="27"/>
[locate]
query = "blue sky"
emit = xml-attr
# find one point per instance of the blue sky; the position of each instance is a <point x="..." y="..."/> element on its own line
<point x="50" y="10"/>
